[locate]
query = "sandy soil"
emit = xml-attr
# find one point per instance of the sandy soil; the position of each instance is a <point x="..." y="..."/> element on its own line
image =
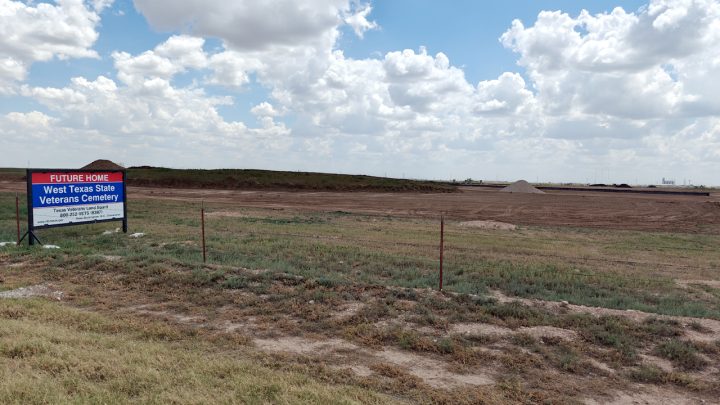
<point x="40" y="290"/>
<point x="431" y="371"/>
<point x="503" y="226"/>
<point x="675" y="213"/>
<point x="648" y="395"/>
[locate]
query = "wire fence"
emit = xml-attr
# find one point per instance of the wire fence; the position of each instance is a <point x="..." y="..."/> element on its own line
<point x="444" y="246"/>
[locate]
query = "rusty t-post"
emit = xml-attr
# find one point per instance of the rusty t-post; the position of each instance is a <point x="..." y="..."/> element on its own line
<point x="442" y="248"/>
<point x="202" y="222"/>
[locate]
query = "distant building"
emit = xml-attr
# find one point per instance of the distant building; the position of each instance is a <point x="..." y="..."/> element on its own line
<point x="668" y="182"/>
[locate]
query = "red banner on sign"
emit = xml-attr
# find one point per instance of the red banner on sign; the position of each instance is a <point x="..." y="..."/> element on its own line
<point x="76" y="177"/>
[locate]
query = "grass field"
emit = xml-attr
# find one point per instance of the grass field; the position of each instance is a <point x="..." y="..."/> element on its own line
<point x="269" y="179"/>
<point x="363" y="280"/>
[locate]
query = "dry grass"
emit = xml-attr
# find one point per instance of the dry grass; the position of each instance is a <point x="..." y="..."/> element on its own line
<point x="50" y="353"/>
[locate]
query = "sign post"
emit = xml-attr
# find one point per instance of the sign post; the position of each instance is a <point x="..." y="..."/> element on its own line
<point x="202" y="222"/>
<point x="74" y="197"/>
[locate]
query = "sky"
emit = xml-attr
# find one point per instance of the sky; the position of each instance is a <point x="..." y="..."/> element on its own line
<point x="554" y="91"/>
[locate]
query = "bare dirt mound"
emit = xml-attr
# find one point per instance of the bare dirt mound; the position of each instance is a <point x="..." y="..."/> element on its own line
<point x="102" y="164"/>
<point x="521" y="186"/>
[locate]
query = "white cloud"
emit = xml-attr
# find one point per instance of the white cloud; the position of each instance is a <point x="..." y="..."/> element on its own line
<point x="32" y="124"/>
<point x="183" y="50"/>
<point x="33" y="33"/>
<point x="358" y="19"/>
<point x="173" y="56"/>
<point x="148" y="65"/>
<point x="633" y="65"/>
<point x="152" y="113"/>
<point x="506" y="95"/>
<point x="264" y="109"/>
<point x="423" y="82"/>
<point x="11" y="70"/>
<point x="232" y="69"/>
<point x="247" y="24"/>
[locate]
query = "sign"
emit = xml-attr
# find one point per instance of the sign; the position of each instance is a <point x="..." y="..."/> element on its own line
<point x="73" y="197"/>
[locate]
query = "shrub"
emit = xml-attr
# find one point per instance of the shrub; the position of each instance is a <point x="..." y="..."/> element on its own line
<point x="682" y="354"/>
<point x="648" y="374"/>
<point x="235" y="282"/>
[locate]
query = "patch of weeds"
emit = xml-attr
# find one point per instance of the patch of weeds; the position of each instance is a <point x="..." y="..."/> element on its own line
<point x="687" y="381"/>
<point x="698" y="327"/>
<point x="262" y="393"/>
<point x="411" y="340"/>
<point x="438" y="304"/>
<point x="516" y="313"/>
<point x="405" y="294"/>
<point x="203" y="277"/>
<point x="367" y="334"/>
<point x="426" y="317"/>
<point x="655" y="375"/>
<point x="707" y="347"/>
<point x="552" y="340"/>
<point x="387" y="370"/>
<point x="575" y="321"/>
<point x="564" y="357"/>
<point x="324" y="296"/>
<point x="446" y="345"/>
<point x="662" y="327"/>
<point x="396" y="373"/>
<point x="515" y="391"/>
<point x="483" y="339"/>
<point x="524" y="340"/>
<point x="462" y="352"/>
<point x="648" y="374"/>
<point x="22" y="350"/>
<point x="288" y="221"/>
<point x="164" y="332"/>
<point x="12" y="312"/>
<point x="327" y="282"/>
<point x="614" y="332"/>
<point x="374" y="312"/>
<point x="515" y="361"/>
<point x="236" y="339"/>
<point x="568" y="360"/>
<point x="682" y="354"/>
<point x="235" y="283"/>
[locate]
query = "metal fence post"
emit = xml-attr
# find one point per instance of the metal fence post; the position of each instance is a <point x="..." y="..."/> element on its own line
<point x="202" y="222"/>
<point x="442" y="248"/>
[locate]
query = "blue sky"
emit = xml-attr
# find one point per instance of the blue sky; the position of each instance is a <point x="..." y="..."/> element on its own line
<point x="466" y="31"/>
<point x="421" y="88"/>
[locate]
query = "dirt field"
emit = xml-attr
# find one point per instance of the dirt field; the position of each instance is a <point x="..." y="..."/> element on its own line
<point x="565" y="297"/>
<point x="670" y="213"/>
<point x="627" y="211"/>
